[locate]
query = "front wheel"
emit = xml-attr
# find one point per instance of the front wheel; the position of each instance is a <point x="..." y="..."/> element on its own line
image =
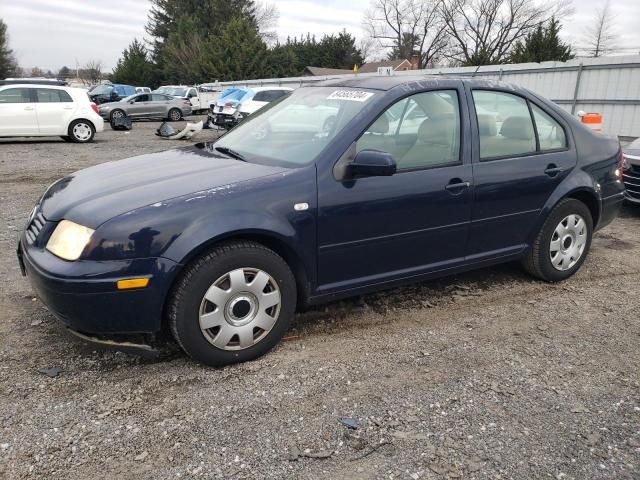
<point x="81" y="131"/>
<point x="563" y="243"/>
<point x="232" y="304"/>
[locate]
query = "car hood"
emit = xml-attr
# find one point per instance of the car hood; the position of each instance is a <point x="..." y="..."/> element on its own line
<point x="94" y="195"/>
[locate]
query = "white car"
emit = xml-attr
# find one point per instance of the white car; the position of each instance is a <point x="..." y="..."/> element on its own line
<point x="28" y="110"/>
<point x="261" y="97"/>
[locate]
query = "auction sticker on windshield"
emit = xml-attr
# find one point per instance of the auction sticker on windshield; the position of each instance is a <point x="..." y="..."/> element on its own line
<point x="351" y="95"/>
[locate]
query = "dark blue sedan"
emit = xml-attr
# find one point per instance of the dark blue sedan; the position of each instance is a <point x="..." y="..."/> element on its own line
<point x="337" y="190"/>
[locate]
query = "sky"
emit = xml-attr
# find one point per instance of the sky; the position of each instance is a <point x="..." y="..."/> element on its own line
<point x="53" y="33"/>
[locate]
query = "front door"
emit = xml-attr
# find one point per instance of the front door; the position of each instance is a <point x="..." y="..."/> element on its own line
<point x="141" y="106"/>
<point x="17" y="112"/>
<point x="375" y="229"/>
<point x="523" y="153"/>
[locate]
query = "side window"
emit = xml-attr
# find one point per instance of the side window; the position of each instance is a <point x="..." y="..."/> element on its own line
<point x="48" y="95"/>
<point x="159" y="98"/>
<point x="192" y="93"/>
<point x="261" y="96"/>
<point x="504" y="124"/>
<point x="143" y="98"/>
<point x="420" y="131"/>
<point x="550" y="133"/>
<point x="15" y="95"/>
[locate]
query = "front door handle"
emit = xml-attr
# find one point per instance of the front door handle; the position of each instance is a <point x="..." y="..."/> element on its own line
<point x="456" y="186"/>
<point x="552" y="170"/>
<point x="29" y="108"/>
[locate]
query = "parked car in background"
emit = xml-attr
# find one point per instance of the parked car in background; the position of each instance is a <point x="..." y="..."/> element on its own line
<point x="147" y="105"/>
<point x="200" y="100"/>
<point x="234" y="107"/>
<point x="110" y="93"/>
<point x="143" y="90"/>
<point x="30" y="110"/>
<point x="631" y="171"/>
<point x="220" y="242"/>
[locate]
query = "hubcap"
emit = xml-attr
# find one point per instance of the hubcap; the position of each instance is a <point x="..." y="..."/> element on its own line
<point x="117" y="114"/>
<point x="175" y="115"/>
<point x="568" y="242"/>
<point x="82" y="131"/>
<point x="240" y="309"/>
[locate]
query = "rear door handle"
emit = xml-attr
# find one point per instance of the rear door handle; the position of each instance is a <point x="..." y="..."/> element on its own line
<point x="552" y="170"/>
<point x="457" y="185"/>
<point x="29" y="108"/>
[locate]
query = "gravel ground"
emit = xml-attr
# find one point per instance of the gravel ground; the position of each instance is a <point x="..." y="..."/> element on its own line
<point x="485" y="375"/>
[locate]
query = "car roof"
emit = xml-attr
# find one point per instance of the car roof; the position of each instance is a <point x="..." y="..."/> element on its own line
<point x="262" y="89"/>
<point x="383" y="82"/>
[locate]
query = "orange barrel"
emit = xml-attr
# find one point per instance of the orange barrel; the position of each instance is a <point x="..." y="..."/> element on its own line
<point x="593" y="121"/>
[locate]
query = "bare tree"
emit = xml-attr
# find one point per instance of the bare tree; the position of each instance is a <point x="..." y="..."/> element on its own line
<point x="600" y="37"/>
<point x="92" y="72"/>
<point x="267" y="16"/>
<point x="483" y="31"/>
<point x="408" y="28"/>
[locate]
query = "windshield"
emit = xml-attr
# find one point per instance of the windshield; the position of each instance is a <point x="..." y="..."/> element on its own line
<point x="176" y="92"/>
<point x="236" y="95"/>
<point x="102" y="89"/>
<point x="292" y="132"/>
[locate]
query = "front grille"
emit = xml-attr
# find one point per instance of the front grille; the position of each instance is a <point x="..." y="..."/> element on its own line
<point x="631" y="179"/>
<point x="35" y="227"/>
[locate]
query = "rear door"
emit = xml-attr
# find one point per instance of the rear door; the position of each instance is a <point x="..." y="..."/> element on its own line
<point x="521" y="154"/>
<point x="160" y="104"/>
<point x="54" y="110"/>
<point x="18" y="112"/>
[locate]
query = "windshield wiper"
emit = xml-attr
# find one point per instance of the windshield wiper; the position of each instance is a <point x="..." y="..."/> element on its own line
<point x="231" y="153"/>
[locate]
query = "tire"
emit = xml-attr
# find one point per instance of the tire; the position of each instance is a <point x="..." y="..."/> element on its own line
<point x="571" y="242"/>
<point x="117" y="114"/>
<point x="81" y="131"/>
<point x="236" y="308"/>
<point x="175" y="114"/>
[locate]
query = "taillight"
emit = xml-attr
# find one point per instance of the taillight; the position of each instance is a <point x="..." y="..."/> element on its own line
<point x="94" y="107"/>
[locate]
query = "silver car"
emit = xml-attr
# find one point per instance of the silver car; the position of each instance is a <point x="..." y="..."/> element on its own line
<point x="631" y="171"/>
<point x="146" y="105"/>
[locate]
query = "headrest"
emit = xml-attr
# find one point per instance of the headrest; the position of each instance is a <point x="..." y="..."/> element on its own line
<point x="487" y="125"/>
<point x="517" y="128"/>
<point x="381" y="125"/>
<point x="437" y="130"/>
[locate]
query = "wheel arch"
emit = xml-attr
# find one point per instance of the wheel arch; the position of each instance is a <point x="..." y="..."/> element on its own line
<point x="265" y="238"/>
<point x="80" y="119"/>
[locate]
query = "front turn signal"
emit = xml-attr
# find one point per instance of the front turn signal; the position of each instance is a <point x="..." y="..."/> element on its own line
<point x="131" y="283"/>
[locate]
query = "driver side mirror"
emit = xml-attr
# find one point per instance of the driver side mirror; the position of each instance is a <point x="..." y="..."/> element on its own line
<point x="372" y="163"/>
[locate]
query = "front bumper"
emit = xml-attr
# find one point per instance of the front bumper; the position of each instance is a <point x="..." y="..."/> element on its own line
<point x="223" y="120"/>
<point x="84" y="296"/>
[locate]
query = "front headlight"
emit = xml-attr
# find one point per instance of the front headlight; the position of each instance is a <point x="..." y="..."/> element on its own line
<point x="68" y="240"/>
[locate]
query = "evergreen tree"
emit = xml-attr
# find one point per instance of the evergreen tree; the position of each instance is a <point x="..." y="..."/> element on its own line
<point x="542" y="45"/>
<point x="240" y="52"/>
<point x="134" y="68"/>
<point x="64" y="73"/>
<point x="7" y="61"/>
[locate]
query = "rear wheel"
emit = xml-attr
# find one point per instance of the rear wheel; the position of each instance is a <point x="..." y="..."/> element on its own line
<point x="81" y="131"/>
<point x="175" y="114"/>
<point x="563" y="243"/>
<point x="232" y="304"/>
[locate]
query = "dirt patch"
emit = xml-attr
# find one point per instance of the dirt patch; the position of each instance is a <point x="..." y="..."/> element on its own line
<point x="489" y="374"/>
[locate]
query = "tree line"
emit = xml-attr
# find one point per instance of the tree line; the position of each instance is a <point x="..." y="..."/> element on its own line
<point x="196" y="41"/>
